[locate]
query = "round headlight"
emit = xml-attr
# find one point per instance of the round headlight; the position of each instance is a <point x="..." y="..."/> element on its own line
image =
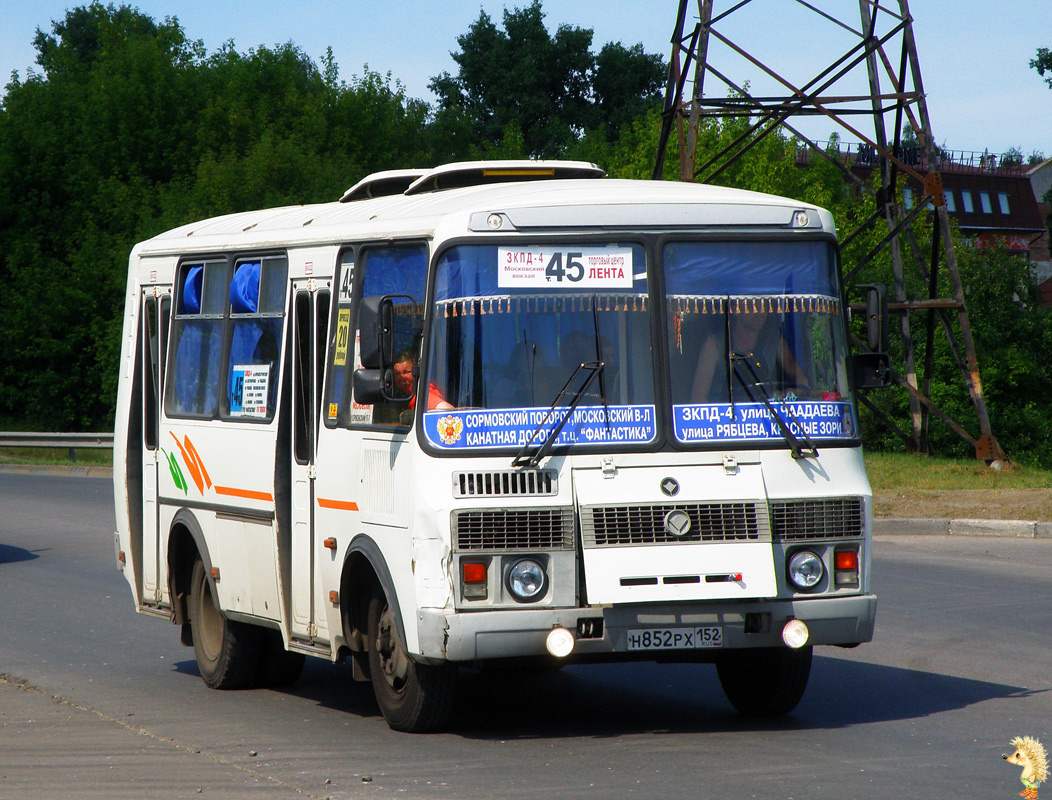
<point x="805" y="569"/>
<point x="526" y="580"/>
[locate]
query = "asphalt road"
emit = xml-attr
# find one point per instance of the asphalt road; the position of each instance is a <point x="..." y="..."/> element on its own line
<point x="98" y="702"/>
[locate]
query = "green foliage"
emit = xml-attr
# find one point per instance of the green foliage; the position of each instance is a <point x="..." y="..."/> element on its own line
<point x="550" y="88"/>
<point x="131" y="128"/>
<point x="1043" y="63"/>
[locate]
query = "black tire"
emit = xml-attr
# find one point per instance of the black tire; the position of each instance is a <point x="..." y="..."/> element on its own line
<point x="227" y="652"/>
<point x="277" y="666"/>
<point x="413" y="697"/>
<point x="766" y="682"/>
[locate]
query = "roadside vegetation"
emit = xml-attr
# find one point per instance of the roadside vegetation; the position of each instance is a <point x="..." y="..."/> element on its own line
<point x="920" y="487"/>
<point x="56" y="456"/>
<point x="127" y="127"/>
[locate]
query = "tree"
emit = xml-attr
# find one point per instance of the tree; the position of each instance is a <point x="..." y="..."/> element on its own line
<point x="1043" y="63"/>
<point x="550" y="88"/>
<point x="133" y="129"/>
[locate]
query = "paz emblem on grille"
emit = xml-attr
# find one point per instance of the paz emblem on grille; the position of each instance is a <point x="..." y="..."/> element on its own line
<point x="677" y="522"/>
<point x="669" y="487"/>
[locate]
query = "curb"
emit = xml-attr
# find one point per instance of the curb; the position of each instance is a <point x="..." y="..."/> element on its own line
<point x="1007" y="528"/>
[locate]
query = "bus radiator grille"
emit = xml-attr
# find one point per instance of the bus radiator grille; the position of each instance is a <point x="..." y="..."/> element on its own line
<point x="619" y="526"/>
<point x="803" y="520"/>
<point x="501" y="483"/>
<point x="513" y="529"/>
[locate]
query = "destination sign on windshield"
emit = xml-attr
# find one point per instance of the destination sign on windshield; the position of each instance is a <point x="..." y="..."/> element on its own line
<point x="571" y="267"/>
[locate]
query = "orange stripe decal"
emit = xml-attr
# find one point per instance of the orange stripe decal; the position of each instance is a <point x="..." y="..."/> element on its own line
<point x="339" y="505"/>
<point x="246" y="494"/>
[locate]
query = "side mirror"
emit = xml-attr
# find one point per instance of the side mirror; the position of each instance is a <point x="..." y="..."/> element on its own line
<point x="376" y="323"/>
<point x="871" y="370"/>
<point x="373" y="386"/>
<point x="876" y="316"/>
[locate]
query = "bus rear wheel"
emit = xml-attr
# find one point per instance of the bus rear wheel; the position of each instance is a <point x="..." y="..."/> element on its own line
<point x="765" y="682"/>
<point x="413" y="697"/>
<point x="227" y="652"/>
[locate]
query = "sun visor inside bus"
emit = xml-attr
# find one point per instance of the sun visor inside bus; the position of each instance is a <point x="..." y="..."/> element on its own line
<point x="190" y="302"/>
<point x="749" y="268"/>
<point x="244" y="288"/>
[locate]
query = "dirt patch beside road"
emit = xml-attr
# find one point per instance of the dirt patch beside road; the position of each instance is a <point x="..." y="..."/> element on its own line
<point x="1025" y="504"/>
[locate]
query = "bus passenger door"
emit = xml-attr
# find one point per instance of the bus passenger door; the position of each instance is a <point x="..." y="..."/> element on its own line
<point x="310" y="309"/>
<point x="154" y="319"/>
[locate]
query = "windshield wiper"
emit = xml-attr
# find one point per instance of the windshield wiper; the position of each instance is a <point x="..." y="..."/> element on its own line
<point x="805" y="450"/>
<point x="599" y="360"/>
<point x="521" y="459"/>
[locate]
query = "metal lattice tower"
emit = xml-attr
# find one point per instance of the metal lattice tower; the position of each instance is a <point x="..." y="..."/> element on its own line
<point x="870" y="87"/>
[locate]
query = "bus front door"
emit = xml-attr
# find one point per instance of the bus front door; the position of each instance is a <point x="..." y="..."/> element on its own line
<point x="310" y="309"/>
<point x="154" y="325"/>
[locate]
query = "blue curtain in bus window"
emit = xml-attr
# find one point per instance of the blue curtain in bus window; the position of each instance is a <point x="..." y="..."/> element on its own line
<point x="255" y="339"/>
<point x="468" y="272"/>
<point x="749" y="268"/>
<point x="198" y="347"/>
<point x="190" y="300"/>
<point x="197" y="366"/>
<point x="244" y="288"/>
<point x="244" y="299"/>
<point x="395" y="270"/>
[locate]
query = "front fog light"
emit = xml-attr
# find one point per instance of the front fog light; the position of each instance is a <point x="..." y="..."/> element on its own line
<point x="795" y="633"/>
<point x="527" y="580"/>
<point x="560" y="642"/>
<point x="805" y="569"/>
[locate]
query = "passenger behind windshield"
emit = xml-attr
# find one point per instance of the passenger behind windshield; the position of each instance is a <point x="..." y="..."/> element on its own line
<point x="755" y="334"/>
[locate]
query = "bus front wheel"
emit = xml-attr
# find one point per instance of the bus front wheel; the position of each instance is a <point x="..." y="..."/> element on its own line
<point x="227" y="652"/>
<point x="764" y="682"/>
<point x="413" y="697"/>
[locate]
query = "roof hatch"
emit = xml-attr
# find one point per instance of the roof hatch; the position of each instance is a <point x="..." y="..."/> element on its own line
<point x="476" y="173"/>
<point x="465" y="173"/>
<point x="382" y="184"/>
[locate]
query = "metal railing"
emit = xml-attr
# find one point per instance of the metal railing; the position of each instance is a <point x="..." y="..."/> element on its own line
<point x="61" y="441"/>
<point x="71" y="442"/>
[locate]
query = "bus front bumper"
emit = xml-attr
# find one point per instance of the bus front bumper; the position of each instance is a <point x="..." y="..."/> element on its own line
<point x="483" y="635"/>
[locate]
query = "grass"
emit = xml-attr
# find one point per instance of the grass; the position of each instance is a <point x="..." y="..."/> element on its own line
<point x="51" y="456"/>
<point x="891" y="471"/>
<point x="918" y="487"/>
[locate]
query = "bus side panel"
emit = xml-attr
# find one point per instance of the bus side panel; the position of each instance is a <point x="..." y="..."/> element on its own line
<point x="228" y="468"/>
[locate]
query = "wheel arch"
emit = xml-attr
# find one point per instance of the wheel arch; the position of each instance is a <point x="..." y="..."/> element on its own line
<point x="186" y="543"/>
<point x="364" y="570"/>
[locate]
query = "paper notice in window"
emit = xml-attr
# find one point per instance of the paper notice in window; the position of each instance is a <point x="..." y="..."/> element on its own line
<point x="248" y="390"/>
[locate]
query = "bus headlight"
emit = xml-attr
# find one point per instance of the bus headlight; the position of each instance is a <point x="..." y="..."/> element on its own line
<point x="805" y="569"/>
<point x="527" y="580"/>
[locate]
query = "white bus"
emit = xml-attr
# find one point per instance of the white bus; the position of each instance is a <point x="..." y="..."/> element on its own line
<point x="639" y="440"/>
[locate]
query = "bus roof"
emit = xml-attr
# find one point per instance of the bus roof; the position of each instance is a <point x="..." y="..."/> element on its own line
<point x="584" y="204"/>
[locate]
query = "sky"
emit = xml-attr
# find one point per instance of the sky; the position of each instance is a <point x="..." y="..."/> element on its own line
<point x="974" y="55"/>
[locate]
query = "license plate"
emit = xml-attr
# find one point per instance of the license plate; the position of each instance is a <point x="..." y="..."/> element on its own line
<point x="675" y="638"/>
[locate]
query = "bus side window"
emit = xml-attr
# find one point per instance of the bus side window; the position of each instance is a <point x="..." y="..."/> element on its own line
<point x="257" y="305"/>
<point x="341" y="352"/>
<point x="399" y="271"/>
<point x="197" y="339"/>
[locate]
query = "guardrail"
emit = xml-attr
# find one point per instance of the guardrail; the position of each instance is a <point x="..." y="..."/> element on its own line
<point x="72" y="442"/>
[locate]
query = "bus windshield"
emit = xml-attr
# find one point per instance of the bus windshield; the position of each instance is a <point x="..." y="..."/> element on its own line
<point x="755" y="345"/>
<point x="754" y="329"/>
<point x="512" y="324"/>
